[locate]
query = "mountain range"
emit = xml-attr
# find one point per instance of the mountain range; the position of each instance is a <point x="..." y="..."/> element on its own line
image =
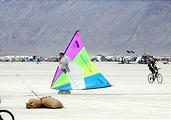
<point x="109" y="27"/>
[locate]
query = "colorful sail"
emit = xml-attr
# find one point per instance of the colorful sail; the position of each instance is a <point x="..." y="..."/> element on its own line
<point x="83" y="73"/>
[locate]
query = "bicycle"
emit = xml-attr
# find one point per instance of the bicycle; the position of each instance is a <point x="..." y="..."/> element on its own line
<point x="157" y="76"/>
<point x="6" y="115"/>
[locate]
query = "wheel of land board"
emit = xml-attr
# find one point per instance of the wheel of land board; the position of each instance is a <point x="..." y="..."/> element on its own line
<point x="67" y="92"/>
<point x="64" y="92"/>
<point x="6" y="115"/>
<point x="150" y="78"/>
<point x="159" y="78"/>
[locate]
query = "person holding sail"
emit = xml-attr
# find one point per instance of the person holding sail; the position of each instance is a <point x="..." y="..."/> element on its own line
<point x="63" y="65"/>
<point x="63" y="62"/>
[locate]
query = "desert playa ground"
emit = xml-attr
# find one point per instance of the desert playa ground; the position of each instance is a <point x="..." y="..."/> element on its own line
<point x="130" y="97"/>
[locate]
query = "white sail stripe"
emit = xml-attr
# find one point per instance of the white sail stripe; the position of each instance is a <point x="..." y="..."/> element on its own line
<point x="76" y="76"/>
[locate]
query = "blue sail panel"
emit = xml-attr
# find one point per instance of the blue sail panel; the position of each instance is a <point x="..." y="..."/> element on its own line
<point x="64" y="87"/>
<point x="96" y="81"/>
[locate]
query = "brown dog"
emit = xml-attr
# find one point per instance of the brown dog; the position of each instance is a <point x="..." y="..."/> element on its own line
<point x="44" y="102"/>
<point x="33" y="103"/>
<point x="50" y="102"/>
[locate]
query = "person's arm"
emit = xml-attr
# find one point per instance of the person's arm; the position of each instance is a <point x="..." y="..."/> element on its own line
<point x="155" y="67"/>
<point x="61" y="64"/>
<point x="67" y="64"/>
<point x="152" y="66"/>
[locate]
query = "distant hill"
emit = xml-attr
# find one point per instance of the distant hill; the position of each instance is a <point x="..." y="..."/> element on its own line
<point x="107" y="26"/>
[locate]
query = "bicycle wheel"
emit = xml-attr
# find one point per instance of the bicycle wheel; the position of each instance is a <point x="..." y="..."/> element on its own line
<point x="6" y="115"/>
<point x="150" y="78"/>
<point x="159" y="78"/>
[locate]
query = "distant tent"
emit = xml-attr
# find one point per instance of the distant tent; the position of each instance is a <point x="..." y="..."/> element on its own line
<point x="83" y="73"/>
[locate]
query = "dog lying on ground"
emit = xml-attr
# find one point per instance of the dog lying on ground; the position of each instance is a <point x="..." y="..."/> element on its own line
<point x="44" y="102"/>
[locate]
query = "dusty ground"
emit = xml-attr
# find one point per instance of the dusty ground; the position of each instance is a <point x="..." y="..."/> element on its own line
<point x="131" y="96"/>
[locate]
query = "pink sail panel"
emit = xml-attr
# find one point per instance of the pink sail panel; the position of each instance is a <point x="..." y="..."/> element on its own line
<point x="57" y="74"/>
<point x="74" y="47"/>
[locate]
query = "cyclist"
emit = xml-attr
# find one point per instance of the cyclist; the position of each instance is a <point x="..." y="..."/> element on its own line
<point x="153" y="67"/>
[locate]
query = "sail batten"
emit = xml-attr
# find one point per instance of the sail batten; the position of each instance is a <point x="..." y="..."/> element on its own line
<point x="82" y="73"/>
